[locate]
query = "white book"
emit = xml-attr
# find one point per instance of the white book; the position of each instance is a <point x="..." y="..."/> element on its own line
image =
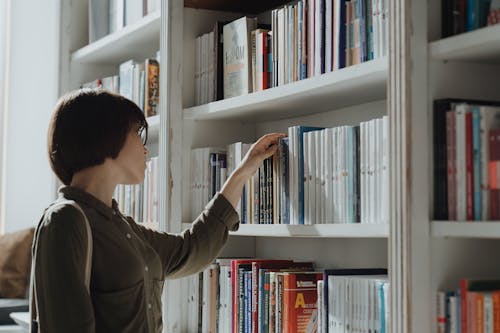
<point x="336" y="175"/>
<point x="307" y="178"/>
<point x="211" y="94"/>
<point x="453" y="320"/>
<point x="310" y="38"/>
<point x="133" y="11"/>
<point x="116" y="15"/>
<point x="317" y="179"/>
<point x="197" y="71"/>
<point x="371" y="172"/>
<point x="461" y="110"/>
<point x="328" y="176"/>
<point x="320" y="307"/>
<point x="375" y="23"/>
<point x="281" y="38"/>
<point x="127" y="79"/>
<point x="324" y="173"/>
<point x="98" y="19"/>
<point x="313" y="175"/>
<point x="345" y="190"/>
<point x="136" y="92"/>
<point x="378" y="170"/>
<point x="237" y="66"/>
<point x="385" y="171"/>
<point x="205" y="315"/>
<point x="488" y="313"/>
<point x="385" y="27"/>
<point x="153" y="6"/>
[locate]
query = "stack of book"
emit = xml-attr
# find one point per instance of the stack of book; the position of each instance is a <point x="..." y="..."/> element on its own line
<point x="141" y="201"/>
<point x="317" y="176"/>
<point x="271" y="296"/>
<point x="466" y="160"/>
<point x="305" y="39"/>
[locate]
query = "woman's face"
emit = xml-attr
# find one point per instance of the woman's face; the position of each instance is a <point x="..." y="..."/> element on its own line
<point x="131" y="161"/>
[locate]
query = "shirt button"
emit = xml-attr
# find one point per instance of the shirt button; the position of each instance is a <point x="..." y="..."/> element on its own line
<point x="149" y="305"/>
<point x="146" y="268"/>
<point x="129" y="236"/>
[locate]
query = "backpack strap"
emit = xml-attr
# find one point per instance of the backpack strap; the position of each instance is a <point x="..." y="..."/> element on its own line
<point x="88" y="262"/>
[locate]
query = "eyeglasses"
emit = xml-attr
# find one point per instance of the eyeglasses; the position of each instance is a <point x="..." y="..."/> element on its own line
<point x="143" y="134"/>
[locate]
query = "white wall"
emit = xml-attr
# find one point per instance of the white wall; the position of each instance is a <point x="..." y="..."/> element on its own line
<point x="32" y="93"/>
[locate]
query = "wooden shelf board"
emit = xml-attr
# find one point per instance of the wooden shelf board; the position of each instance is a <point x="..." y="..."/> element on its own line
<point x="314" y="231"/>
<point x="469" y="229"/>
<point x="135" y="41"/>
<point x="481" y="45"/>
<point x="349" y="86"/>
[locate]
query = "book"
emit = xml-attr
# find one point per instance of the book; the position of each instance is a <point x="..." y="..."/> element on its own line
<point x="237" y="57"/>
<point x="152" y="93"/>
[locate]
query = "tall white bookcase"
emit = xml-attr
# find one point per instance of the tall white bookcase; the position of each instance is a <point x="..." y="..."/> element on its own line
<point x="422" y="255"/>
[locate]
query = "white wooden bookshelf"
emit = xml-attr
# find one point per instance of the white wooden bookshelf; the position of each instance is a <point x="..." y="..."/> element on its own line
<point x="122" y="45"/>
<point x="312" y="231"/>
<point x="153" y="128"/>
<point x="468" y="229"/>
<point x="482" y="45"/>
<point x="349" y="86"/>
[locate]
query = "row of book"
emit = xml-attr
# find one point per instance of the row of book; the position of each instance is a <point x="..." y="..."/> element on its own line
<point x="274" y="296"/>
<point x="466" y="160"/>
<point x="459" y="16"/>
<point x="334" y="175"/>
<point x="137" y="81"/>
<point x="473" y="308"/>
<point x="141" y="201"/>
<point x="305" y="39"/>
<point x="109" y="16"/>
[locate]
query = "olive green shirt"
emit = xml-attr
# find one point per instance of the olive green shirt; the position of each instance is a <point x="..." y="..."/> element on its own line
<point x="129" y="264"/>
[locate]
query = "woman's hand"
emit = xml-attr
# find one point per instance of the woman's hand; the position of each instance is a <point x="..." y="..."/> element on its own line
<point x="265" y="147"/>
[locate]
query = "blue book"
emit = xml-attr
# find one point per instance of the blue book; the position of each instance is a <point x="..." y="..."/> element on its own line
<point x="300" y="180"/>
<point x="382" y="307"/>
<point x="477" y="166"/>
<point x="341" y="31"/>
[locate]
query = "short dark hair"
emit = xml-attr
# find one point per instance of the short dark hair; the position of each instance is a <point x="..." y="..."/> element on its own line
<point x="88" y="126"/>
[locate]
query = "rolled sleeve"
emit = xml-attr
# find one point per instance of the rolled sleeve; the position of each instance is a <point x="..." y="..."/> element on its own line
<point x="192" y="250"/>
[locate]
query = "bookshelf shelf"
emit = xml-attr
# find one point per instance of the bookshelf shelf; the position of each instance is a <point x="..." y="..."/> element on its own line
<point x="471" y="229"/>
<point x="135" y="41"/>
<point x="312" y="231"/>
<point x="353" y="85"/>
<point x="482" y="45"/>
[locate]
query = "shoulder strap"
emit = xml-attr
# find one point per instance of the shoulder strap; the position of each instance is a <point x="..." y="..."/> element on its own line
<point x="88" y="263"/>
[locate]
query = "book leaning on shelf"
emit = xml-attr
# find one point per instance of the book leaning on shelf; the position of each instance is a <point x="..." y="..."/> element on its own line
<point x="271" y="296"/>
<point x="304" y="39"/>
<point x="317" y="176"/>
<point x="466" y="157"/>
<point x="141" y="201"/>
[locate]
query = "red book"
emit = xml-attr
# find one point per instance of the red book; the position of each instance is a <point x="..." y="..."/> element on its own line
<point x="496" y="311"/>
<point x="269" y="264"/>
<point x="300" y="299"/>
<point x="494" y="168"/>
<point x="256" y="265"/>
<point x="451" y="149"/>
<point x="265" y="64"/>
<point x="469" y="167"/>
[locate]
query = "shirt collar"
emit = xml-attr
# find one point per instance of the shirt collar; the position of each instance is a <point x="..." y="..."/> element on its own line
<point x="88" y="199"/>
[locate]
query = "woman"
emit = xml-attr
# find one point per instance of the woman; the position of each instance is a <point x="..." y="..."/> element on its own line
<point x="97" y="141"/>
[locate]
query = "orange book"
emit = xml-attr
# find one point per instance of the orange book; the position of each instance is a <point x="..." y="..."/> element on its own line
<point x="299" y="300"/>
<point x="479" y="308"/>
<point x="496" y="311"/>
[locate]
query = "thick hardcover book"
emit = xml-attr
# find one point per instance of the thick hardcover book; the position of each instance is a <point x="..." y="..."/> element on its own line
<point x="494" y="172"/>
<point x="469" y="184"/>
